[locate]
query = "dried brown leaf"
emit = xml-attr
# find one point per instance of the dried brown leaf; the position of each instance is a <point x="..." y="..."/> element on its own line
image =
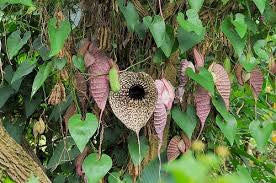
<point x="79" y="160"/>
<point x="203" y="106"/>
<point x="222" y="82"/>
<point x="57" y="94"/>
<point x="256" y="81"/>
<point x="173" y="151"/>
<point x="239" y="72"/>
<point x="71" y="110"/>
<point x="81" y="87"/>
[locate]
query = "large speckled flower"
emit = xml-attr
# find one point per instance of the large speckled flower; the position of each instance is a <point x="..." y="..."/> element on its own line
<point x="135" y="102"/>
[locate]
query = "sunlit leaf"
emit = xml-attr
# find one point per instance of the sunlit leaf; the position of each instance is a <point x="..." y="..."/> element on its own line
<point x="260" y="5"/>
<point x="240" y="25"/>
<point x="196" y="5"/>
<point x="228" y="128"/>
<point x="23" y="2"/>
<point x="260" y="51"/>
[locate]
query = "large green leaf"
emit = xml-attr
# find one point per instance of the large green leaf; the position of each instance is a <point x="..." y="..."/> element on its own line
<point x="237" y="42"/>
<point x="64" y="151"/>
<point x="192" y="24"/>
<point x="230" y="120"/>
<point x="15" y="43"/>
<point x="22" y="70"/>
<point x="24" y="2"/>
<point x="168" y="42"/>
<point x="157" y="28"/>
<point x="203" y="78"/>
<point x="130" y="14"/>
<point x="32" y="104"/>
<point x="58" y="35"/>
<point x="260" y="51"/>
<point x="185" y="120"/>
<point x="133" y="148"/>
<point x="240" y="25"/>
<point x="261" y="134"/>
<point x="196" y="4"/>
<point x="187" y="39"/>
<point x="8" y="77"/>
<point x="228" y="128"/>
<point x="41" y="76"/>
<point x="96" y="168"/>
<point x="260" y="5"/>
<point x="82" y="130"/>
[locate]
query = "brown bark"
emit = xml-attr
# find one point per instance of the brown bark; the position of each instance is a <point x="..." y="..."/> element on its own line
<point x="15" y="162"/>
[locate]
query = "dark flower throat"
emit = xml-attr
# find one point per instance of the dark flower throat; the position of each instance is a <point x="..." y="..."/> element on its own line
<point x="136" y="92"/>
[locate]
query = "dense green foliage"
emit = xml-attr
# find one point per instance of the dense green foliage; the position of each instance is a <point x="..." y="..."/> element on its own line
<point x="39" y="40"/>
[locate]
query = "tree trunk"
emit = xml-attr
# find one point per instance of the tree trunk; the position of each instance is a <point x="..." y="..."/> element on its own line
<point x="15" y="162"/>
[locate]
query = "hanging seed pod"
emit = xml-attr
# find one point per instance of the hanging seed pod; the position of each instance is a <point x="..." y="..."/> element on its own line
<point x="199" y="59"/>
<point x="135" y="102"/>
<point x="82" y="89"/>
<point x="57" y="94"/>
<point x="173" y="151"/>
<point x="222" y="82"/>
<point x="272" y="65"/>
<point x="256" y="82"/>
<point x="239" y="72"/>
<point x="39" y="127"/>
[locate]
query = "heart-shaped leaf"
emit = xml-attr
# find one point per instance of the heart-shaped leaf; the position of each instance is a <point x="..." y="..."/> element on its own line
<point x="240" y="25"/>
<point x="261" y="134"/>
<point x="228" y="128"/>
<point x="15" y="43"/>
<point x="82" y="130"/>
<point x="168" y="42"/>
<point x="203" y="78"/>
<point x="133" y="148"/>
<point x="58" y="35"/>
<point x="157" y="28"/>
<point x="23" y="69"/>
<point x="186" y="121"/>
<point x="260" y="5"/>
<point x="41" y="76"/>
<point x="196" y="5"/>
<point x="95" y="169"/>
<point x="259" y="49"/>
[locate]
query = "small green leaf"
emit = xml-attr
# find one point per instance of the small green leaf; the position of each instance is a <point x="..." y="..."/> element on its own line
<point x="192" y="24"/>
<point x="41" y="76"/>
<point x="203" y="78"/>
<point x="187" y="39"/>
<point x="158" y="57"/>
<point x="78" y="62"/>
<point x="157" y="28"/>
<point x="185" y="120"/>
<point x="260" y="5"/>
<point x="227" y="65"/>
<point x="59" y="63"/>
<point x="196" y="4"/>
<point x="58" y="35"/>
<point x="82" y="130"/>
<point x="15" y="43"/>
<point x="130" y="14"/>
<point x="260" y="51"/>
<point x="168" y="42"/>
<point x="237" y="42"/>
<point x="248" y="62"/>
<point x="240" y="25"/>
<point x="22" y="70"/>
<point x="133" y="148"/>
<point x="261" y="134"/>
<point x="228" y="128"/>
<point x="95" y="168"/>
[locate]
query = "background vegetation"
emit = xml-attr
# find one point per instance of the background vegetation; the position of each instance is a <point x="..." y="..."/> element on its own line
<point x="42" y="60"/>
